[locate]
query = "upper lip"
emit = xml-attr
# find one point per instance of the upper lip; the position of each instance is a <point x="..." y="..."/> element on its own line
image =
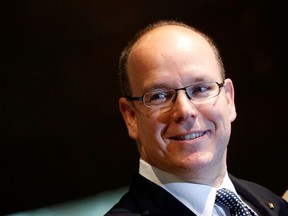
<point x="189" y="136"/>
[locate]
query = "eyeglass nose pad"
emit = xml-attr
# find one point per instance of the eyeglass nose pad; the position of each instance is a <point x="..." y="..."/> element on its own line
<point x="175" y="97"/>
<point x="188" y="96"/>
<point x="177" y="92"/>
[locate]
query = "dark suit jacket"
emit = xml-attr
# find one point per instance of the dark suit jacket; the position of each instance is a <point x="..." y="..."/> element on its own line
<point x="146" y="198"/>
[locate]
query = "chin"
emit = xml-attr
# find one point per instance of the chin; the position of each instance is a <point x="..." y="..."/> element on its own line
<point x="197" y="161"/>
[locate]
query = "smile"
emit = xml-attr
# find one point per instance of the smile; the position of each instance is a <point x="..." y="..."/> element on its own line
<point x="189" y="136"/>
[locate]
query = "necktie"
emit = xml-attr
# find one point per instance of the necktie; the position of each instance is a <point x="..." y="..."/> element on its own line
<point x="229" y="199"/>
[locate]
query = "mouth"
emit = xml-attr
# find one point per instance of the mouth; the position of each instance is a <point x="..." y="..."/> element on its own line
<point x="189" y="136"/>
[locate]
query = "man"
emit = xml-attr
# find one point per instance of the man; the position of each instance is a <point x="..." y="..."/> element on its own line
<point x="178" y="106"/>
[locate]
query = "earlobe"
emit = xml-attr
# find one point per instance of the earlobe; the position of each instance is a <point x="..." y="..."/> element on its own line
<point x="230" y="94"/>
<point x="128" y="113"/>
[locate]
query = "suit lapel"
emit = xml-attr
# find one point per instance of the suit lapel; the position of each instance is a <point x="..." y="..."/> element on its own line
<point x="154" y="200"/>
<point x="258" y="197"/>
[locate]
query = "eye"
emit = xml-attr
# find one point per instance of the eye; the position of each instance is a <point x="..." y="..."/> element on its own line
<point x="158" y="97"/>
<point x="201" y="88"/>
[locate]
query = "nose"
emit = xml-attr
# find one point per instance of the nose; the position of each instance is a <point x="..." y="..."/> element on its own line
<point x="183" y="107"/>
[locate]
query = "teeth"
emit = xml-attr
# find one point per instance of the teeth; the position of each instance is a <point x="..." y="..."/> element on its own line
<point x="190" y="136"/>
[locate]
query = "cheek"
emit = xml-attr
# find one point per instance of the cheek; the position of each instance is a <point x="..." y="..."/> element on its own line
<point x="146" y="125"/>
<point x="217" y="114"/>
<point x="211" y="111"/>
<point x="150" y="136"/>
<point x="151" y="127"/>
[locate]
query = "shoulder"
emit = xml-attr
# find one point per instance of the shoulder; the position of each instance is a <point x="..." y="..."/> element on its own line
<point x="146" y="198"/>
<point x="260" y="195"/>
<point x="125" y="206"/>
<point x="245" y="185"/>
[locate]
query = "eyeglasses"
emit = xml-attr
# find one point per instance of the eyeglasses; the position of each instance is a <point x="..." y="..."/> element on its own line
<point x="166" y="97"/>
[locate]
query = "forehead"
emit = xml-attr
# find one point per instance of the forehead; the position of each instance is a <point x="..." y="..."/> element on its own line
<point x="170" y="54"/>
<point x="170" y="40"/>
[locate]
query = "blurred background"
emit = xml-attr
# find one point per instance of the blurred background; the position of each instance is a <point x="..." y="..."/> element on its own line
<point x="62" y="137"/>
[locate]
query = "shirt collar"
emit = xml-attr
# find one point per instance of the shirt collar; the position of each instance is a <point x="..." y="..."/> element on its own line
<point x="199" y="198"/>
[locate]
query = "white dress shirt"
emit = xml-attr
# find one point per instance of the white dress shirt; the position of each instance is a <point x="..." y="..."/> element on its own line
<point x="200" y="199"/>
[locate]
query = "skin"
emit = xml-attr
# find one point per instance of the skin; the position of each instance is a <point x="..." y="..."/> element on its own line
<point x="173" y="57"/>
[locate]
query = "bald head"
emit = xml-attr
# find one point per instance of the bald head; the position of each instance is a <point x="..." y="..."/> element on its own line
<point x="164" y="38"/>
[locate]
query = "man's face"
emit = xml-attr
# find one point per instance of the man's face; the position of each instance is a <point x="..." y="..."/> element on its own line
<point x="187" y="138"/>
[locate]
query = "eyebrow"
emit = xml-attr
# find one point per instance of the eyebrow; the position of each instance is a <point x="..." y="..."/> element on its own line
<point x="156" y="86"/>
<point x="163" y="85"/>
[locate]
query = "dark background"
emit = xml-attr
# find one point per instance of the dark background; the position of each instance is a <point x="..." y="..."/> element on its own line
<point x="62" y="136"/>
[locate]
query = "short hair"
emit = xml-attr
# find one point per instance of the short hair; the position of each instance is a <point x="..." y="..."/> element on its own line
<point x="125" y="87"/>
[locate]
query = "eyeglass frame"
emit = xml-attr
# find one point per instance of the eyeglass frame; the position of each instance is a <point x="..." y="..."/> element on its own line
<point x="141" y="98"/>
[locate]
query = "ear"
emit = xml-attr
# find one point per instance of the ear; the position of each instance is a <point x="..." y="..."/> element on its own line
<point x="127" y="110"/>
<point x="230" y="94"/>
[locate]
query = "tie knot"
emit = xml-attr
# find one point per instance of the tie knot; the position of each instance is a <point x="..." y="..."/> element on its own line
<point x="229" y="199"/>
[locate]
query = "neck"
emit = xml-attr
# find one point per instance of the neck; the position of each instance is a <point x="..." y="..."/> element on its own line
<point x="214" y="179"/>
